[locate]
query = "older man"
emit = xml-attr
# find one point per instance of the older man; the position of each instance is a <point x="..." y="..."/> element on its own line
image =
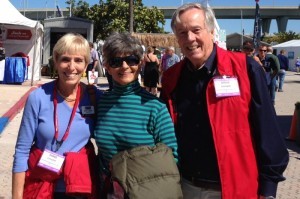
<point x="169" y="58"/>
<point x="223" y="115"/>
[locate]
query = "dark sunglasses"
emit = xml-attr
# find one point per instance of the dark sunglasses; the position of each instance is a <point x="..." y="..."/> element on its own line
<point x="117" y="62"/>
<point x="263" y="50"/>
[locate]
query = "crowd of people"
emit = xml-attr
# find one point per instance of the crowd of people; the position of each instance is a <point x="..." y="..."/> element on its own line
<point x="189" y="142"/>
<point x="274" y="66"/>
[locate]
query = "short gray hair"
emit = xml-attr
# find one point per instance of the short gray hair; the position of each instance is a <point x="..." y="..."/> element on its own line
<point x="121" y="44"/>
<point x="209" y="15"/>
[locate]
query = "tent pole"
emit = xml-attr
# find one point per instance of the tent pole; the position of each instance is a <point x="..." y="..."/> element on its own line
<point x="34" y="53"/>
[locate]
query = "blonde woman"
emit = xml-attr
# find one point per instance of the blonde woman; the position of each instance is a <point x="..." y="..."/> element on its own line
<point x="56" y="129"/>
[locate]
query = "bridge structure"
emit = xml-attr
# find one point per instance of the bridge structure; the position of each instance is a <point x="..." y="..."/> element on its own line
<point x="280" y="14"/>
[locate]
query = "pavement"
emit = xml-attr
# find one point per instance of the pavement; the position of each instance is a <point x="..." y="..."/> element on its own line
<point x="13" y="98"/>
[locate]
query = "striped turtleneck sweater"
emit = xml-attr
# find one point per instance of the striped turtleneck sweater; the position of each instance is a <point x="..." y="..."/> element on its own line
<point x="129" y="116"/>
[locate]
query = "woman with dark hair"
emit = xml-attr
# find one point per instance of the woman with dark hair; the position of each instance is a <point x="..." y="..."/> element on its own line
<point x="129" y="116"/>
<point x="248" y="49"/>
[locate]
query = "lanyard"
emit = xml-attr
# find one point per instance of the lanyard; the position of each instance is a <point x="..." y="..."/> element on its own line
<point x="59" y="143"/>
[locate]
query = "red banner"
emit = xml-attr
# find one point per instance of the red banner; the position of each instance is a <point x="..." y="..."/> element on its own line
<point x="18" y="34"/>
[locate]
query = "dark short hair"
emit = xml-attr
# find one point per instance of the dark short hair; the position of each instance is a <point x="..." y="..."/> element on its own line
<point x="121" y="44"/>
<point x="248" y="45"/>
<point x="282" y="51"/>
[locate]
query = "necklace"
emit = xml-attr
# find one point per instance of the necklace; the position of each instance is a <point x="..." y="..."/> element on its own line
<point x="67" y="99"/>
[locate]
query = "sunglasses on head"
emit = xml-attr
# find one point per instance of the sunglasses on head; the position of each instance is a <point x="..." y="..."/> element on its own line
<point x="117" y="62"/>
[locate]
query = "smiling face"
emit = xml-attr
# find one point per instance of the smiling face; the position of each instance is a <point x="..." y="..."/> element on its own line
<point x="127" y="72"/>
<point x="71" y="55"/>
<point x="122" y="55"/>
<point x="194" y="38"/>
<point x="70" y="67"/>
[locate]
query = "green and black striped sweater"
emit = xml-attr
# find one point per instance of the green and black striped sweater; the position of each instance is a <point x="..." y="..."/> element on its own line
<point x="129" y="116"/>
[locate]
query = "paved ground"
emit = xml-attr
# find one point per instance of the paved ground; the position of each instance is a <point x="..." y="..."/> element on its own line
<point x="10" y="95"/>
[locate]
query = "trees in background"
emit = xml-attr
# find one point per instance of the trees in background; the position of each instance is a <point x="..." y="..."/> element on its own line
<point x="114" y="15"/>
<point x="281" y="37"/>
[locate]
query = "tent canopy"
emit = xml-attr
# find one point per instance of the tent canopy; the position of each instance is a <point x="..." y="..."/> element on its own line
<point x="292" y="49"/>
<point x="10" y="15"/>
<point x="291" y="43"/>
<point x="20" y="34"/>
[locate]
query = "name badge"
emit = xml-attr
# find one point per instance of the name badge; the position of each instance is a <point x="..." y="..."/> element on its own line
<point x="51" y="161"/>
<point x="87" y="110"/>
<point x="226" y="86"/>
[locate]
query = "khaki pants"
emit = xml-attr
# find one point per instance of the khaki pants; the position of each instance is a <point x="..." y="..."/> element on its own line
<point x="192" y="192"/>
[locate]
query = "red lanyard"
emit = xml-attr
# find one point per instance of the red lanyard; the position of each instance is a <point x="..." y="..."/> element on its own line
<point x="59" y="143"/>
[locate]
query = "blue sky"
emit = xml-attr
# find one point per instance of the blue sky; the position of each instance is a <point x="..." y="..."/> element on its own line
<point x="227" y="24"/>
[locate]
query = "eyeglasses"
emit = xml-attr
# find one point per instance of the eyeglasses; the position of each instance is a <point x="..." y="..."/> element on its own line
<point x="261" y="50"/>
<point x="117" y="62"/>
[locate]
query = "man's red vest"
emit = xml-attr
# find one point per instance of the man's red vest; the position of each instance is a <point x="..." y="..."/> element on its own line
<point x="229" y="119"/>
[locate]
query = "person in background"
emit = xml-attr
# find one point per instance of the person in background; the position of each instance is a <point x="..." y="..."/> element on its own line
<point x="223" y="115"/>
<point x="181" y="56"/>
<point x="53" y="72"/>
<point x="151" y="73"/>
<point x="159" y="55"/>
<point x="248" y="49"/>
<point x="58" y="122"/>
<point x="262" y="54"/>
<point x="169" y="59"/>
<point x="284" y="66"/>
<point x="297" y="64"/>
<point x="94" y="60"/>
<point x="109" y="80"/>
<point x="128" y="116"/>
<point x="157" y="52"/>
<point x="271" y="66"/>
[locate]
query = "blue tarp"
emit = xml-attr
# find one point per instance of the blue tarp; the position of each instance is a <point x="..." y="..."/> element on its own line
<point x="3" y="122"/>
<point x="15" y="70"/>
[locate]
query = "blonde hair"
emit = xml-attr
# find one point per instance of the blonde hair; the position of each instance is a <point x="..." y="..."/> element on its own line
<point x="150" y="49"/>
<point x="72" y="43"/>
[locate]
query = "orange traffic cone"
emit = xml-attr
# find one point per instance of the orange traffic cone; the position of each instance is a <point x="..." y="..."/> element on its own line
<point x="293" y="129"/>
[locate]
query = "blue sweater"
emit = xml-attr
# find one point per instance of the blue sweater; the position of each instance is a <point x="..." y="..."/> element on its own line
<point x="37" y="125"/>
<point x="129" y="116"/>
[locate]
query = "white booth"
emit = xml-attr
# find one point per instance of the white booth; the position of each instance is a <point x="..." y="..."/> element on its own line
<point x="22" y="40"/>
<point x="292" y="49"/>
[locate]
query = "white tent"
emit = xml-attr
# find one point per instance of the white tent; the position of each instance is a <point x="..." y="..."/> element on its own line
<point x="20" y="34"/>
<point x="292" y="49"/>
